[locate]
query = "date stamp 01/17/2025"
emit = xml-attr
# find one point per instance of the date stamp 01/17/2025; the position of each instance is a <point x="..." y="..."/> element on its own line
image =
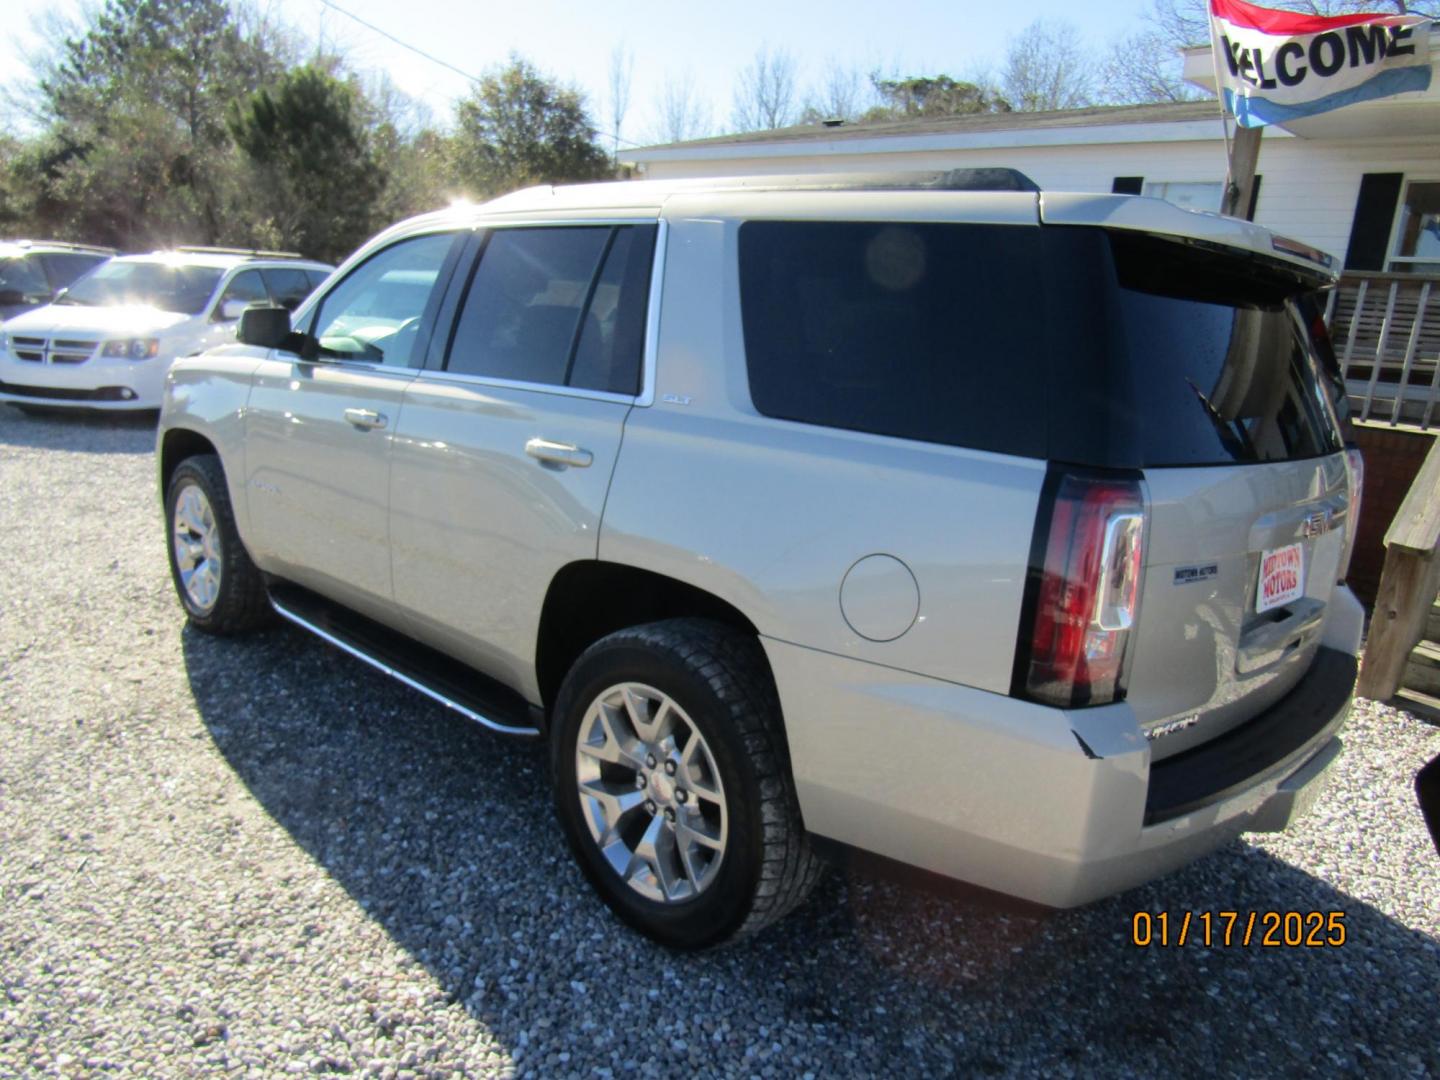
<point x="1267" y="929"/>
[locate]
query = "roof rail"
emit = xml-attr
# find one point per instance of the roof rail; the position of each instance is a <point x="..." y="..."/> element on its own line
<point x="68" y="245"/>
<point x="192" y="249"/>
<point x="975" y="179"/>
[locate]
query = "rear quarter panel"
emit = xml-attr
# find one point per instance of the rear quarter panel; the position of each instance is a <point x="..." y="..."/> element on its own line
<point x="771" y="515"/>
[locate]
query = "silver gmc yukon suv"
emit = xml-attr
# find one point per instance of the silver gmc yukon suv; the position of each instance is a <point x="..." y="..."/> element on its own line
<point x="993" y="531"/>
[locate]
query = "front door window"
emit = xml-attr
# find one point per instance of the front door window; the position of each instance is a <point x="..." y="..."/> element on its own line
<point x="374" y="314"/>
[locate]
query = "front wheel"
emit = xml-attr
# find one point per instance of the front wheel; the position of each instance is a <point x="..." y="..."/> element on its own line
<point x="219" y="587"/>
<point x="673" y="785"/>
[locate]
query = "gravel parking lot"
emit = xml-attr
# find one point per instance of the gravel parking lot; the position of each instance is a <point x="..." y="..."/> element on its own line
<point x="258" y="857"/>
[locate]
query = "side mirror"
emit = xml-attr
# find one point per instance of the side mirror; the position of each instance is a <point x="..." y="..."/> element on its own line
<point x="266" y="327"/>
<point x="231" y="310"/>
<point x="12" y="297"/>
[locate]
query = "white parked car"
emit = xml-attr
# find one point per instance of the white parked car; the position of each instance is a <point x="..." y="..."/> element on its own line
<point x="107" y="341"/>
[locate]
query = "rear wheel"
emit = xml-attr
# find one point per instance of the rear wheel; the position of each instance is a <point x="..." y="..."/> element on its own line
<point x="219" y="587"/>
<point x="673" y="785"/>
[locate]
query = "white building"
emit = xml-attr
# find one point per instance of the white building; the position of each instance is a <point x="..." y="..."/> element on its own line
<point x="1351" y="167"/>
<point x="1362" y="183"/>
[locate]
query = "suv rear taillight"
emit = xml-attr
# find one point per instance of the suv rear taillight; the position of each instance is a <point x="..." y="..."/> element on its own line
<point x="1084" y="591"/>
<point x="1355" y="464"/>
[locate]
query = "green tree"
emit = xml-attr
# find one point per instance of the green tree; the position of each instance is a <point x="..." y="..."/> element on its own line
<point x="135" y="149"/>
<point x="518" y="127"/>
<point x="931" y="95"/>
<point x="316" y="179"/>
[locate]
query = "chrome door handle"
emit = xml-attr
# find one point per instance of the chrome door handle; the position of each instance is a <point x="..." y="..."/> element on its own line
<point x="558" y="453"/>
<point x="366" y="418"/>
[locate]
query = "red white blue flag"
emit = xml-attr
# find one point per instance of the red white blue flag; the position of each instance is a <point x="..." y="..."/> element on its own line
<point x="1275" y="66"/>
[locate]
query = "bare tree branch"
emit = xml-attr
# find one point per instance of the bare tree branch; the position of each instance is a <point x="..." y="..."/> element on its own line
<point x="622" y="72"/>
<point x="765" y="94"/>
<point x="683" y="115"/>
<point x="844" y="93"/>
<point x="1046" y="68"/>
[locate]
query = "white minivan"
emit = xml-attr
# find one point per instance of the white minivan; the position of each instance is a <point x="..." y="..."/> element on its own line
<point x="107" y="341"/>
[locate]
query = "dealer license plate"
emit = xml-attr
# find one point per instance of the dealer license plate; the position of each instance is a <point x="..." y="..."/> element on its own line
<point x="1282" y="577"/>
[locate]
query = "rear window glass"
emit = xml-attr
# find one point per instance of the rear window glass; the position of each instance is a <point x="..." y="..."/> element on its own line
<point x="1060" y="343"/>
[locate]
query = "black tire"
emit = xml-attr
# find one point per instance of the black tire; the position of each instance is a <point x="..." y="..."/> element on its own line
<point x="720" y="678"/>
<point x="241" y="603"/>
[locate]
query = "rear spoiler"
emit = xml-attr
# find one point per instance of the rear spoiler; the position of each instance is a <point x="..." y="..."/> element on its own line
<point x="1134" y="213"/>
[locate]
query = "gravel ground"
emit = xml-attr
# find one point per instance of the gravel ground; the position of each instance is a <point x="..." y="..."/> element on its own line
<point x="257" y="857"/>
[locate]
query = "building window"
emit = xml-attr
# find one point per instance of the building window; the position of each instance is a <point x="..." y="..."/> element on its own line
<point x="1417" y="232"/>
<point x="1190" y="194"/>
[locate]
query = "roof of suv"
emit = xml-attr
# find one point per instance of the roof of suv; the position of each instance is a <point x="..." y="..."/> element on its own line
<point x="14" y="248"/>
<point x="222" y="258"/>
<point x="1001" y="194"/>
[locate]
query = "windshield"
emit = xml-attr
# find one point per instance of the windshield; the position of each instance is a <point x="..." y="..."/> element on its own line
<point x="181" y="289"/>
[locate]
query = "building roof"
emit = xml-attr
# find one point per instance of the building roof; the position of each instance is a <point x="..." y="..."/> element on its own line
<point x="810" y="137"/>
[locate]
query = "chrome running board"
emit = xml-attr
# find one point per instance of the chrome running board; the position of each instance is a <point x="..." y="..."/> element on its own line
<point x="415" y="665"/>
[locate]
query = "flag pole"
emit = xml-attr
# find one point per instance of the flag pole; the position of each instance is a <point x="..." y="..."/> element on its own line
<point x="1242" y="153"/>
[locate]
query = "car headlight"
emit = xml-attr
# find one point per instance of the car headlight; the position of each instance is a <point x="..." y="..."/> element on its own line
<point x="132" y="348"/>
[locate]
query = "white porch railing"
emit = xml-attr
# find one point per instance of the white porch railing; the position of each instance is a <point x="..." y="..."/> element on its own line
<point x="1386" y="329"/>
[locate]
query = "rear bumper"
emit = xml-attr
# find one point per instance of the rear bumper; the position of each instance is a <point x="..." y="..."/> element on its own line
<point x="1057" y="807"/>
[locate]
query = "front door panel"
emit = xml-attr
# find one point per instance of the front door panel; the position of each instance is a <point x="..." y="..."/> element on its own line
<point x="318" y="440"/>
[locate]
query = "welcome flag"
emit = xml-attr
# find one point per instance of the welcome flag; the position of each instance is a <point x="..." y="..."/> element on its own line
<point x="1275" y="66"/>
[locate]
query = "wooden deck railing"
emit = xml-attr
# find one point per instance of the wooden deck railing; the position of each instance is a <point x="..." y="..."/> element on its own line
<point x="1386" y="329"/>
<point x="1407" y="584"/>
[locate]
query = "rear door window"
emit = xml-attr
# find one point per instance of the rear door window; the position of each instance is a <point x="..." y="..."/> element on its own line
<point x="559" y="306"/>
<point x="246" y="286"/>
<point x="1071" y="344"/>
<point x="287" y="286"/>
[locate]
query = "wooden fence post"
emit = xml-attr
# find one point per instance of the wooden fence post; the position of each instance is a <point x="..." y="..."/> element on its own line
<point x="1408" y="583"/>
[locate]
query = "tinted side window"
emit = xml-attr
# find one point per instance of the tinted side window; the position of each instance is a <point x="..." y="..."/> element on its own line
<point x="374" y="314"/>
<point x="522" y="311"/>
<point x="287" y="286"/>
<point x="558" y="305"/>
<point x="247" y="286"/>
<point x="24" y="276"/>
<point x="612" y="342"/>
<point x="918" y="331"/>
<point x="1073" y="344"/>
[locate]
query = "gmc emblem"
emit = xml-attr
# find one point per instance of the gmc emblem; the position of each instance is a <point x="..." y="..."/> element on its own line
<point x="1316" y="524"/>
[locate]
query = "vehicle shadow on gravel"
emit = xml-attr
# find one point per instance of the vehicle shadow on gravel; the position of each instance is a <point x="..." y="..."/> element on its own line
<point x="445" y="836"/>
<point x="78" y="431"/>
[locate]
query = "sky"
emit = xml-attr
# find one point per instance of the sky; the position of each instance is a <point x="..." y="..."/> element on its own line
<point x="710" y="43"/>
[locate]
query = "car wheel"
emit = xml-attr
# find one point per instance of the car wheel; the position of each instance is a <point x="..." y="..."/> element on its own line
<point x="220" y="588"/>
<point x="673" y="784"/>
